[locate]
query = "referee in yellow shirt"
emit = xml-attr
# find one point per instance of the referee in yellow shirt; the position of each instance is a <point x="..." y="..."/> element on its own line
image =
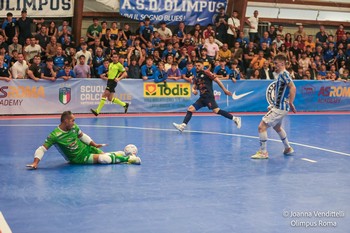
<point x="116" y="72"/>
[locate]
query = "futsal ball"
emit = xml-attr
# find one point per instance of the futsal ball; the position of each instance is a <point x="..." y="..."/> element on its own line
<point x="130" y="149"/>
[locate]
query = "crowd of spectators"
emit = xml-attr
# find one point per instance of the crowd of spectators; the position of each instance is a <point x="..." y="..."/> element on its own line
<point x="160" y="53"/>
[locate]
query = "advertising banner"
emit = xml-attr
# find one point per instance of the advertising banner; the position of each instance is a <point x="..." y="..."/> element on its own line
<point x="37" y="8"/>
<point x="80" y="95"/>
<point x="191" y="12"/>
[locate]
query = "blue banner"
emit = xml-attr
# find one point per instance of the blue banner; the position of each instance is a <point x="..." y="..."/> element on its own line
<point x="191" y="12"/>
<point x="80" y="95"/>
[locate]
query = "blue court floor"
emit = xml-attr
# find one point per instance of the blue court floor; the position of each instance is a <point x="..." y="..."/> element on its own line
<point x="202" y="180"/>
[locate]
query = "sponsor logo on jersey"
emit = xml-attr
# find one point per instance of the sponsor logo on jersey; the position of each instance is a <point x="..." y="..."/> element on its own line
<point x="65" y="95"/>
<point x="270" y="93"/>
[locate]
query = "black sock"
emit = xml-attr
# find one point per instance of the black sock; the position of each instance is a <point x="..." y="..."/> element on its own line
<point x="225" y="114"/>
<point x="187" y="117"/>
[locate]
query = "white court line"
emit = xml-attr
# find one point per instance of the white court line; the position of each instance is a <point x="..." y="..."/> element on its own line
<point x="4" y="227"/>
<point x="187" y="131"/>
<point x="309" y="160"/>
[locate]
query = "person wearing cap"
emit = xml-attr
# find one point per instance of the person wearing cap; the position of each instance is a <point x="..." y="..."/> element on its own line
<point x="164" y="32"/>
<point x="94" y="31"/>
<point x="24" y="26"/>
<point x="221" y="22"/>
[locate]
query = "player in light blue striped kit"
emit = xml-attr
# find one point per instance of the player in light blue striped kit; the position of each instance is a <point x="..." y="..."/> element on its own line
<point x="282" y="104"/>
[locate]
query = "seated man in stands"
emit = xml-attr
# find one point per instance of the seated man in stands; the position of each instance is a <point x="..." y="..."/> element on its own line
<point x="4" y="71"/>
<point x="82" y="70"/>
<point x="47" y="71"/>
<point x="19" y="68"/>
<point x="34" y="71"/>
<point x="67" y="73"/>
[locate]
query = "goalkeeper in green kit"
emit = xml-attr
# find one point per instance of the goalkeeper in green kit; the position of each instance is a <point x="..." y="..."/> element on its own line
<point x="77" y="147"/>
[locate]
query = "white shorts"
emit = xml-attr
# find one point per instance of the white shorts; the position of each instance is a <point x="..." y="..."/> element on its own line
<point x="274" y="116"/>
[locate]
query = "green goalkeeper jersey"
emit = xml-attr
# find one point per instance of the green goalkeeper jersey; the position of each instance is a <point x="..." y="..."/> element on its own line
<point x="70" y="146"/>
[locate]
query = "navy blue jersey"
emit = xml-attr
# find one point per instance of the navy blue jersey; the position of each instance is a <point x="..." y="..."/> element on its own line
<point x="204" y="83"/>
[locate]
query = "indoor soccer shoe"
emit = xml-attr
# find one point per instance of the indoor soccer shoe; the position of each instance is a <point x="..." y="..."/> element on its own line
<point x="288" y="151"/>
<point x="238" y="122"/>
<point x="260" y="155"/>
<point x="134" y="160"/>
<point x="94" y="112"/>
<point x="180" y="127"/>
<point x="126" y="107"/>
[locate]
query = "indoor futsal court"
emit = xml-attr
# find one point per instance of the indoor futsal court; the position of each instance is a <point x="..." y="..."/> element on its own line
<point x="201" y="180"/>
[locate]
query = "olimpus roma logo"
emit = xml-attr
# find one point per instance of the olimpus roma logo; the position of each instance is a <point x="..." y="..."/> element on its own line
<point x="65" y="95"/>
<point x="164" y="90"/>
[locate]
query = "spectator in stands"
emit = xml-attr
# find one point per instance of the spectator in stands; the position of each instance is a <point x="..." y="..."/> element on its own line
<point x="235" y="73"/>
<point x="67" y="73"/>
<point x="180" y="31"/>
<point x="208" y="31"/>
<point x="234" y="25"/>
<point x="189" y="72"/>
<point x="183" y="58"/>
<point x="134" y="65"/>
<point x="225" y="53"/>
<point x="340" y="32"/>
<point x="300" y="32"/>
<point x="295" y="50"/>
<point x="301" y="44"/>
<point x="164" y="32"/>
<point x="304" y="62"/>
<point x="313" y="71"/>
<point x="5" y="74"/>
<point x="9" y="28"/>
<point x="156" y="58"/>
<point x="253" y="23"/>
<point x="87" y="54"/>
<point x="148" y="70"/>
<point x="126" y="31"/>
<point x="94" y="31"/>
<point x="3" y="43"/>
<point x="174" y="72"/>
<point x="82" y="70"/>
<point x="51" y="48"/>
<point x="310" y="42"/>
<point x="237" y="54"/>
<point x="97" y="61"/>
<point x="272" y="33"/>
<point x="15" y="46"/>
<point x="266" y="39"/>
<point x="273" y="50"/>
<point x="266" y="50"/>
<point x="222" y="71"/>
<point x="106" y="38"/>
<point x="258" y="61"/>
<point x="169" y="51"/>
<point x="64" y="26"/>
<point x="205" y="59"/>
<point x="197" y="38"/>
<point x="102" y="70"/>
<point x="169" y="61"/>
<point x="146" y="31"/>
<point x="266" y="72"/>
<point x="14" y="56"/>
<point x="120" y="38"/>
<point x="160" y="74"/>
<point x="221" y="22"/>
<point x="321" y="36"/>
<point x="212" y="48"/>
<point x="24" y="26"/>
<point x="255" y="74"/>
<point x="299" y="74"/>
<point x="104" y="27"/>
<point x="48" y="72"/>
<point x="280" y="31"/>
<point x="329" y="55"/>
<point x="248" y="54"/>
<point x="64" y="36"/>
<point x="288" y="40"/>
<point x="95" y="45"/>
<point x="283" y="50"/>
<point x="343" y="41"/>
<point x="279" y="42"/>
<point x="114" y="31"/>
<point x="72" y="61"/>
<point x="43" y="38"/>
<point x="32" y="50"/>
<point x="34" y="71"/>
<point x="59" y="60"/>
<point x="52" y="30"/>
<point x="345" y="76"/>
<point x="242" y="40"/>
<point x="322" y="73"/>
<point x="111" y="49"/>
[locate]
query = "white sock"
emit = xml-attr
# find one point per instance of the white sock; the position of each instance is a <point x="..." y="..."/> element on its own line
<point x="284" y="139"/>
<point x="263" y="140"/>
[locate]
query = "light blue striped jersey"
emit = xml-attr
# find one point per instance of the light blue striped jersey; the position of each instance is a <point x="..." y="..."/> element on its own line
<point x="282" y="91"/>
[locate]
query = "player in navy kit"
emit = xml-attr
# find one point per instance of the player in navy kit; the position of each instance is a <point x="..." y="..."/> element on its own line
<point x="203" y="83"/>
